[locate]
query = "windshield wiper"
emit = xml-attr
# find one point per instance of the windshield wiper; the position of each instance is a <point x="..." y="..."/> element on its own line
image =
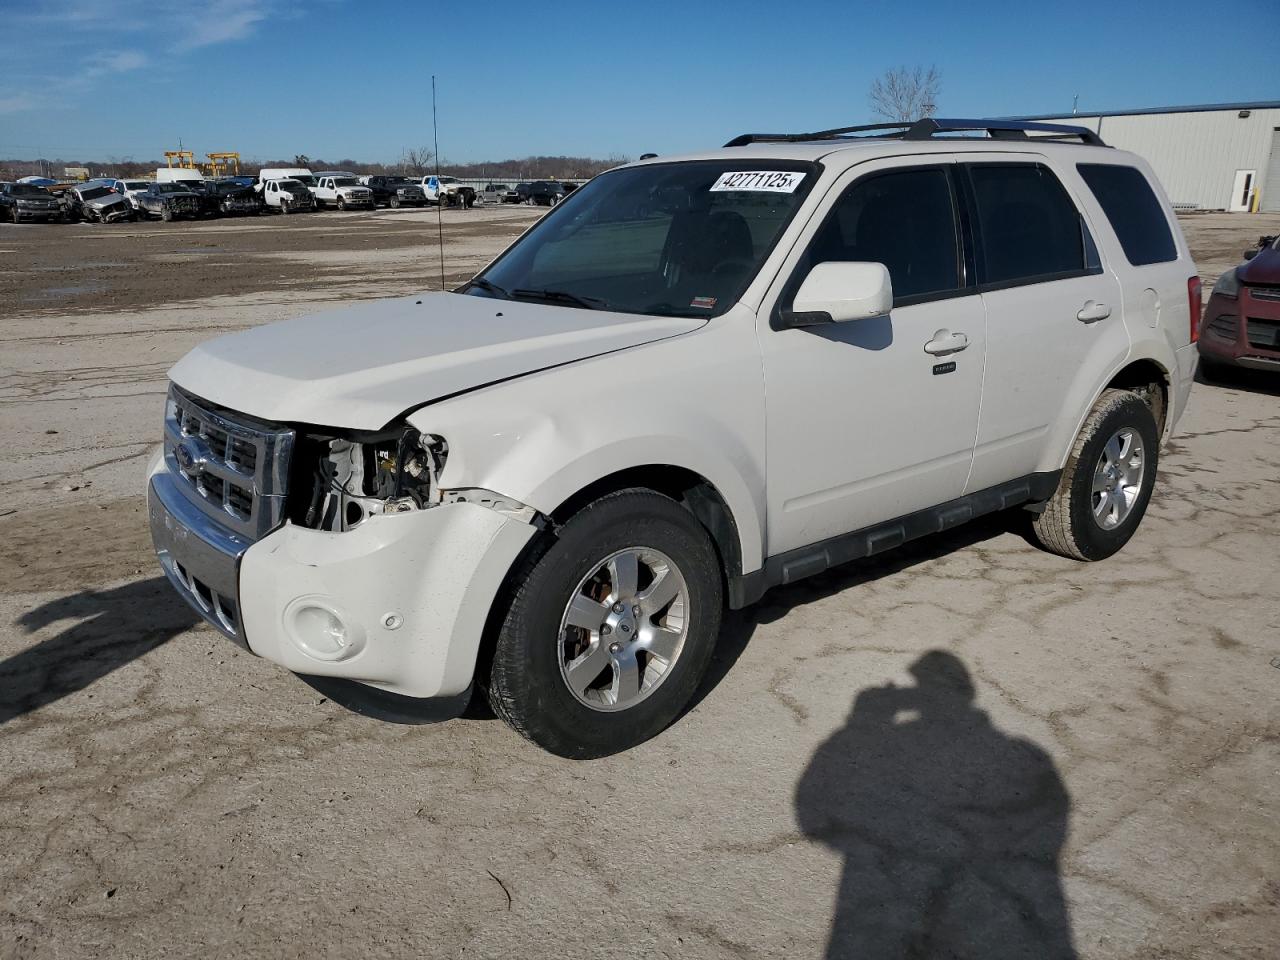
<point x="562" y="296"/>
<point x="490" y="286"/>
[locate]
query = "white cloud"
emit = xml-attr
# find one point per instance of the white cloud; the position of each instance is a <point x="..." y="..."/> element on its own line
<point x="140" y="33"/>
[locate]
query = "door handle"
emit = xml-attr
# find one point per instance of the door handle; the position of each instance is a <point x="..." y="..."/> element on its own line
<point x="944" y="341"/>
<point x="1093" y="311"/>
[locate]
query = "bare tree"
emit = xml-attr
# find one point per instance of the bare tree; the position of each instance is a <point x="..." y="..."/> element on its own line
<point x="906" y="94"/>
<point x="420" y="161"/>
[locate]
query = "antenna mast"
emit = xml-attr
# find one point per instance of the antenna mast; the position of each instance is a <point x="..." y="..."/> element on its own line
<point x="435" y="139"/>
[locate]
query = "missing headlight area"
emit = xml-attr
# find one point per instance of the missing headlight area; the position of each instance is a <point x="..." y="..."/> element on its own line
<point x="339" y="482"/>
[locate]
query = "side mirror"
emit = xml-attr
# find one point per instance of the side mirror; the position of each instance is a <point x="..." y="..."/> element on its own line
<point x="836" y="292"/>
<point x="1251" y="253"/>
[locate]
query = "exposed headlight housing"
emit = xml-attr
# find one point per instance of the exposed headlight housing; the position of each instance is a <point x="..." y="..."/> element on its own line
<point x="1228" y="284"/>
<point x="339" y="482"/>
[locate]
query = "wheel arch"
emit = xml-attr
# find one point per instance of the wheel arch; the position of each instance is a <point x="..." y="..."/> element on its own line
<point x="693" y="491"/>
<point x="1145" y="375"/>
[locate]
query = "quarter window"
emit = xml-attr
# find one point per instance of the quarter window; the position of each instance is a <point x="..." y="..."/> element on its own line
<point x="1028" y="229"/>
<point x="1133" y="210"/>
<point x="905" y="220"/>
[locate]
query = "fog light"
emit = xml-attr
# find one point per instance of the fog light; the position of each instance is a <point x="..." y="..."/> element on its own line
<point x="321" y="630"/>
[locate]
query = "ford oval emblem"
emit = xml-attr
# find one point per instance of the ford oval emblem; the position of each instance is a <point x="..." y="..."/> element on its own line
<point x="188" y="457"/>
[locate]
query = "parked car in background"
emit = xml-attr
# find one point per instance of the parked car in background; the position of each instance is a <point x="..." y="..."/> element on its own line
<point x="457" y="194"/>
<point x="396" y="191"/>
<point x="169" y="201"/>
<point x="545" y="193"/>
<point x="287" y="196"/>
<point x="300" y="174"/>
<point x="498" y="193"/>
<point x="1242" y="320"/>
<point x="569" y="187"/>
<point x="96" y="202"/>
<point x="341" y="190"/>
<point x="26" y="201"/>
<point x="430" y="187"/>
<point x="235" y="197"/>
<point x="522" y="191"/>
<point x="129" y="189"/>
<point x="210" y="199"/>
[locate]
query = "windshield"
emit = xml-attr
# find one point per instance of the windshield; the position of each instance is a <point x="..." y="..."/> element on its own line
<point x="26" y="190"/>
<point x="172" y="188"/>
<point x="96" y="193"/>
<point x="674" y="239"/>
<point x="344" y="181"/>
<point x="135" y="184"/>
<point x="306" y="178"/>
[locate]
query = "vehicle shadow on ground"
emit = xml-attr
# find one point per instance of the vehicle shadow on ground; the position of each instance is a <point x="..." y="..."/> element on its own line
<point x="950" y="830"/>
<point x="1240" y="378"/>
<point x="111" y="629"/>
<point x="740" y="625"/>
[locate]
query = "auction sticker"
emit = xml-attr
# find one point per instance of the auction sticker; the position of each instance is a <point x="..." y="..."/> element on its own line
<point x="761" y="181"/>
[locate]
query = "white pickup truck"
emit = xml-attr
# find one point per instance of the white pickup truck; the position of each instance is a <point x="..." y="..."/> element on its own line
<point x="287" y="196"/>
<point x="341" y="190"/>
<point x="695" y="379"/>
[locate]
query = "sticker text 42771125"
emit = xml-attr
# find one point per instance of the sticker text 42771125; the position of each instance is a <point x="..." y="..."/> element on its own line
<point x="763" y="181"/>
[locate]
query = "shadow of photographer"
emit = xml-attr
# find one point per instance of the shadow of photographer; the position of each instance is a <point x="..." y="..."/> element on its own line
<point x="950" y="830"/>
<point x="112" y="628"/>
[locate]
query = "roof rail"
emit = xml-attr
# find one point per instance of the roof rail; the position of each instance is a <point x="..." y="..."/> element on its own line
<point x="925" y="130"/>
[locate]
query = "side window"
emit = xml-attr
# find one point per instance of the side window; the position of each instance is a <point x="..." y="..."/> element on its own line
<point x="1133" y="210"/>
<point x="905" y="220"/>
<point x="1028" y="228"/>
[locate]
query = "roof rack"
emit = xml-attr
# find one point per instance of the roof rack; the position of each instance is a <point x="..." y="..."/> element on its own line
<point x="925" y="130"/>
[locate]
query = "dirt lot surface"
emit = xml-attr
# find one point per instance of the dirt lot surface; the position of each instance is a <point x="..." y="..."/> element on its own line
<point x="1097" y="744"/>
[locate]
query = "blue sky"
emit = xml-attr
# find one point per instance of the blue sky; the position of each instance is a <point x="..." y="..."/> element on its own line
<point x="338" y="78"/>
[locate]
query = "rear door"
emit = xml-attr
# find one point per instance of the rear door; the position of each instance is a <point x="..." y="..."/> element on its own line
<point x="1052" y="312"/>
<point x="864" y="424"/>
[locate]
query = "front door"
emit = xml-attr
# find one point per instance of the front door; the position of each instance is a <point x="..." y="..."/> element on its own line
<point x="865" y="425"/>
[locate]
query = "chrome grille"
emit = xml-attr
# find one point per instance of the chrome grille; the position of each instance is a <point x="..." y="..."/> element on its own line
<point x="1265" y="293"/>
<point x="232" y="467"/>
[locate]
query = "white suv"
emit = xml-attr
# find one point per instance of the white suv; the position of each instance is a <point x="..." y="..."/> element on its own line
<point x="697" y="378"/>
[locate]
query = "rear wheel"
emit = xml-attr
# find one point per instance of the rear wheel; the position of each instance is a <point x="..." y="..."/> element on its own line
<point x="1107" y="482"/>
<point x="608" y="628"/>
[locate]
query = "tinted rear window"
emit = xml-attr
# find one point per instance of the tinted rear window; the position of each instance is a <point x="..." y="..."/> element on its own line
<point x="1135" y="214"/>
<point x="1029" y="228"/>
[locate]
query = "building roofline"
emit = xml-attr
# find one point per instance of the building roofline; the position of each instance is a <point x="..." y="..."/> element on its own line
<point x="1193" y="108"/>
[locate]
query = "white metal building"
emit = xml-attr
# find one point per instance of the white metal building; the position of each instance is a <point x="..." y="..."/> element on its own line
<point x="1217" y="156"/>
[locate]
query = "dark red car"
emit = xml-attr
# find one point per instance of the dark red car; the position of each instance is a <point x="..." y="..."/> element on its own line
<point x="1241" y="323"/>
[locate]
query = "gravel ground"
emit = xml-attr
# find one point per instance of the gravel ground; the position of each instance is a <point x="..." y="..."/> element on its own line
<point x="1097" y="743"/>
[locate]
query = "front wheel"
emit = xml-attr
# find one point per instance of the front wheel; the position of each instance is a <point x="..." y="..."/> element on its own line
<point x="608" y="628"/>
<point x="166" y="214"/>
<point x="394" y="202"/>
<point x="342" y="203"/>
<point x="1107" y="482"/>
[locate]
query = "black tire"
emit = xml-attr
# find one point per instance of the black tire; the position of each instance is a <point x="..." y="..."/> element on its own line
<point x="284" y="207"/>
<point x="524" y="682"/>
<point x="1067" y="526"/>
<point x="342" y="203"/>
<point x="394" y="202"/>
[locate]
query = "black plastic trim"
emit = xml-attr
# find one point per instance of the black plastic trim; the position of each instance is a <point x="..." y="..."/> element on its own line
<point x="785" y="568"/>
<point x="926" y="128"/>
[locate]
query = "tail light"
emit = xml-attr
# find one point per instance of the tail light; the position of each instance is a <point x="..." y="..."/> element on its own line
<point x="1195" y="305"/>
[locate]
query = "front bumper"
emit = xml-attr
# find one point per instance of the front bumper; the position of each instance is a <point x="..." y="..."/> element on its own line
<point x="412" y="591"/>
<point x="1244" y="331"/>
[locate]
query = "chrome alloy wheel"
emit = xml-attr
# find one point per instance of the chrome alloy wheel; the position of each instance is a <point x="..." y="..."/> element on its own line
<point x="1117" y="478"/>
<point x="623" y="629"/>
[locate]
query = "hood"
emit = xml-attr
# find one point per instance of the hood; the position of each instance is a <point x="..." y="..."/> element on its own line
<point x="358" y="368"/>
<point x="1263" y="269"/>
<point x="108" y="201"/>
